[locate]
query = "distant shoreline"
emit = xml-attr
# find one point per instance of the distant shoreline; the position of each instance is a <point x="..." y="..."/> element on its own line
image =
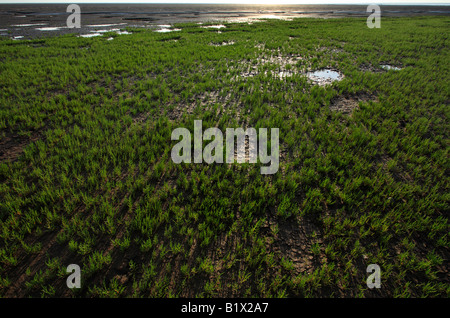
<point x="23" y="21"/>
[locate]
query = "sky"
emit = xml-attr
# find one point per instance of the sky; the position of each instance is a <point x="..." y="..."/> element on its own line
<point x="277" y="2"/>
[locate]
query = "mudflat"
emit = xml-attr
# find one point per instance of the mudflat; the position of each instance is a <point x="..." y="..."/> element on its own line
<point x="37" y="20"/>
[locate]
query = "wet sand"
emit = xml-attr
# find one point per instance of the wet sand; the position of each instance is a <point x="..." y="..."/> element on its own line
<point x="22" y="21"/>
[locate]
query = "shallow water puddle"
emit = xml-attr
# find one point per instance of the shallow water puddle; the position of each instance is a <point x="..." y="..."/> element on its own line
<point x="273" y="17"/>
<point x="101" y="32"/>
<point x="219" y="26"/>
<point x="50" y="28"/>
<point x="390" y="67"/>
<point x="104" y="25"/>
<point x="167" y="30"/>
<point x="325" y="76"/>
<point x="104" y="31"/>
<point x="28" y="25"/>
<point x="91" y="35"/>
<point x="123" y="32"/>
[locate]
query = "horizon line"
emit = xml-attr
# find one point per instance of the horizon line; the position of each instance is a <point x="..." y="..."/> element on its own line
<point x="227" y="3"/>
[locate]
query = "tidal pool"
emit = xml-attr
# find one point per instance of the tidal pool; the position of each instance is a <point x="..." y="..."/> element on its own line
<point x="90" y="35"/>
<point x="325" y="76"/>
<point x="50" y="28"/>
<point x="123" y="32"/>
<point x="390" y="67"/>
<point x="219" y="26"/>
<point x="167" y="30"/>
<point x="28" y="25"/>
<point x="104" y="31"/>
<point x="101" y="32"/>
<point x="104" y="25"/>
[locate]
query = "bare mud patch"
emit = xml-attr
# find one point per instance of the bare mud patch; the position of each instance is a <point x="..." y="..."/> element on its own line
<point x="11" y="146"/>
<point x="244" y="157"/>
<point x="205" y="100"/>
<point x="141" y="117"/>
<point x="379" y="68"/>
<point x="298" y="242"/>
<point x="224" y="43"/>
<point x="281" y="60"/>
<point x="331" y="50"/>
<point x="370" y="68"/>
<point x="347" y="104"/>
<point x="285" y="66"/>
